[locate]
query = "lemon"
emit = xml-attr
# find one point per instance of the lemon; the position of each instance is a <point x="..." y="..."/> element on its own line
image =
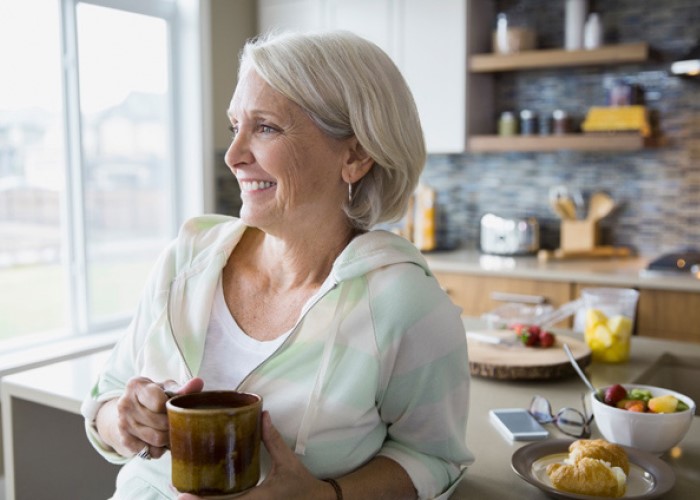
<point x="620" y="326"/>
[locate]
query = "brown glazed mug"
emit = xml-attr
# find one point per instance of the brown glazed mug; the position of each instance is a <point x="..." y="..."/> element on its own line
<point x="215" y="441"/>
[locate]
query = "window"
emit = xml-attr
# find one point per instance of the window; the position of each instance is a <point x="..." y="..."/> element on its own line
<point x="89" y="159"/>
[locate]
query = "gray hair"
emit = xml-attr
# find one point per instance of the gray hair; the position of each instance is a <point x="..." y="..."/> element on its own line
<point x="350" y="87"/>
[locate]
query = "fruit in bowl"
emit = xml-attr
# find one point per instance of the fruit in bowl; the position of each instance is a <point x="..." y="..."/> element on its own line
<point x="655" y="425"/>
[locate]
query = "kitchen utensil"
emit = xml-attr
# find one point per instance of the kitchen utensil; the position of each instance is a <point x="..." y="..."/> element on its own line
<point x="555" y="316"/>
<point x="567" y="205"/>
<point x="494" y="339"/>
<point x="578" y="369"/>
<point x="600" y="206"/>
<point x="566" y="202"/>
<point x="559" y="210"/>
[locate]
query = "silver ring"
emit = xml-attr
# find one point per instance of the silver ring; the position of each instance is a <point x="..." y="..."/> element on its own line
<point x="145" y="454"/>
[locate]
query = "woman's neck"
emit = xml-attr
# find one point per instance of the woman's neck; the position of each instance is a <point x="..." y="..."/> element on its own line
<point x="292" y="262"/>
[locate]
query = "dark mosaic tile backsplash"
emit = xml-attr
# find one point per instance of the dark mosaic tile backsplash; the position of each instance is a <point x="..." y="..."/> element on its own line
<point x="657" y="190"/>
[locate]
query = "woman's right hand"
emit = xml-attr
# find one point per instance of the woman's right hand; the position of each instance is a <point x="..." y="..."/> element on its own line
<point x="138" y="418"/>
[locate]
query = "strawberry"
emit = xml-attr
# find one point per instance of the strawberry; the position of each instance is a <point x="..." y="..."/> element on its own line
<point x="529" y="338"/>
<point x="518" y="328"/>
<point x="546" y="339"/>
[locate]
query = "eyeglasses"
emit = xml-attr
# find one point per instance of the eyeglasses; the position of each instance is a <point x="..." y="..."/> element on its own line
<point x="570" y="421"/>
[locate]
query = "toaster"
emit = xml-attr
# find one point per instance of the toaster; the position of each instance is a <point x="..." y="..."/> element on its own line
<point x="506" y="236"/>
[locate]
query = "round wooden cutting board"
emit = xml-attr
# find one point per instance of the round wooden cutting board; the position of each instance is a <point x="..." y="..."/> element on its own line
<point x="514" y="361"/>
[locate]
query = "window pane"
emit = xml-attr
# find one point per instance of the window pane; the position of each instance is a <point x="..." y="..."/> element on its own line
<point x="123" y="65"/>
<point x="33" y="295"/>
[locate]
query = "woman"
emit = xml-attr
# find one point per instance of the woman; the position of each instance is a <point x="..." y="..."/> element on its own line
<point x="359" y="356"/>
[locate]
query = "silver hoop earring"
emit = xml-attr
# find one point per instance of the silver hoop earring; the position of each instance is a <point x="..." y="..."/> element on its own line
<point x="349" y="192"/>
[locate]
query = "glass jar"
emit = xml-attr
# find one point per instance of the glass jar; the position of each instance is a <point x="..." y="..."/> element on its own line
<point x="528" y="122"/>
<point x="560" y="122"/>
<point x="507" y="124"/>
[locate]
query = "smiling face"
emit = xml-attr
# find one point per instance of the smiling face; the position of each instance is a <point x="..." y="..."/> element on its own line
<point x="288" y="170"/>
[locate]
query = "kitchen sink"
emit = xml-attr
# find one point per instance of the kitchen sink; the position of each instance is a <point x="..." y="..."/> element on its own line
<point x="678" y="373"/>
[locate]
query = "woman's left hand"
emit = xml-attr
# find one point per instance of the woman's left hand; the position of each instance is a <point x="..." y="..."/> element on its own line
<point x="288" y="478"/>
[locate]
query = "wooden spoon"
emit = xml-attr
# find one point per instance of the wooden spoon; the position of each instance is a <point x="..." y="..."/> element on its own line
<point x="600" y="206"/>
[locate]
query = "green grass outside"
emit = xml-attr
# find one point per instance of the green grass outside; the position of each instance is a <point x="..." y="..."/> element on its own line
<point x="35" y="299"/>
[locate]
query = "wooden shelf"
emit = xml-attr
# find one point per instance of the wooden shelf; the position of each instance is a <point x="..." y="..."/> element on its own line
<point x="554" y="58"/>
<point x="618" y="141"/>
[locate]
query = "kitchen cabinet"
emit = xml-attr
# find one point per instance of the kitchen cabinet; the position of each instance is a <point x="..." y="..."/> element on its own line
<point x="430" y="42"/>
<point x="664" y="314"/>
<point x="478" y="294"/>
<point x="557" y="58"/>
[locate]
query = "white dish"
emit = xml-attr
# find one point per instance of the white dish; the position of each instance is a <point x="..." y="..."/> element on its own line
<point x="649" y="477"/>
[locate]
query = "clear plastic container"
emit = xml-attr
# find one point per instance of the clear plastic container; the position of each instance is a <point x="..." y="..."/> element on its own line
<point x="512" y="313"/>
<point x="609" y="322"/>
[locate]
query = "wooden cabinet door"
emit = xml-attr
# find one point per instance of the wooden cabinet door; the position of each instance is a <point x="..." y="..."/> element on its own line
<point x="477" y="294"/>
<point x="669" y="314"/>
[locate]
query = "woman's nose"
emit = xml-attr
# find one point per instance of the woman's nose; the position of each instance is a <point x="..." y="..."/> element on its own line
<point x="238" y="151"/>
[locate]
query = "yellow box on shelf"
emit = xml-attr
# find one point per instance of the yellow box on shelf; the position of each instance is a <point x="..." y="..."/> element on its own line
<point x="617" y="119"/>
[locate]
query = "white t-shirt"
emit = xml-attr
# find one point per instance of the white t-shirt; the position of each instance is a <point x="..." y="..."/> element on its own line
<point x="229" y="354"/>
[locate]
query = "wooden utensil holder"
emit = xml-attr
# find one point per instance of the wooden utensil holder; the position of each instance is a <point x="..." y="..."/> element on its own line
<point x="579" y="234"/>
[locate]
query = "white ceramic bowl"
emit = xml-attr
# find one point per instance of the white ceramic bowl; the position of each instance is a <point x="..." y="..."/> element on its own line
<point x="652" y="432"/>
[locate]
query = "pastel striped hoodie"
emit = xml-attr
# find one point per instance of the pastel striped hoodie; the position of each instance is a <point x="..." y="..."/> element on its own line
<point x="375" y="365"/>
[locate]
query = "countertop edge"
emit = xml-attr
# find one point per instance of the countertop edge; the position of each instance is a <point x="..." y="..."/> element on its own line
<point x="627" y="272"/>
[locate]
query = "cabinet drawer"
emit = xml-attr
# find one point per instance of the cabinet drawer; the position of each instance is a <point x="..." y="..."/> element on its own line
<point x="474" y="293"/>
<point x="669" y="315"/>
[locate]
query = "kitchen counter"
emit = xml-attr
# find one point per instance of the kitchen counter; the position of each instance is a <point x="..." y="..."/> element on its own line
<point x="626" y="272"/>
<point x="491" y="475"/>
<point x="44" y="436"/>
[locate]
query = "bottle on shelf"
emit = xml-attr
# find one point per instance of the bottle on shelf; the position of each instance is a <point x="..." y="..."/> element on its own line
<point x="575" y="17"/>
<point x="592" y="32"/>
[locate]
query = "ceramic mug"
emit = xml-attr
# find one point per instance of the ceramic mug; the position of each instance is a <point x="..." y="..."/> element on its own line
<point x="215" y="441"/>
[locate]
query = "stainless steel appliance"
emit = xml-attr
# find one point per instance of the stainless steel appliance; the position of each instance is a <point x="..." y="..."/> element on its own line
<point x="506" y="236"/>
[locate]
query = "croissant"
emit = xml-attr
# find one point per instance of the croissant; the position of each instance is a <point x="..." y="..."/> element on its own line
<point x="594" y="467"/>
<point x="599" y="448"/>
<point x="589" y="476"/>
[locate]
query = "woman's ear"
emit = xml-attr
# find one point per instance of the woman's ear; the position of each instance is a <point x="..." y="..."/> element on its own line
<point x="357" y="162"/>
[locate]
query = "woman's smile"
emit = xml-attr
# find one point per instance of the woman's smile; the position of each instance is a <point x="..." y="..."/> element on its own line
<point x="250" y="186"/>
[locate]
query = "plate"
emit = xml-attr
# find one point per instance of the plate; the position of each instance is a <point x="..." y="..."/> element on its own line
<point x="649" y="477"/>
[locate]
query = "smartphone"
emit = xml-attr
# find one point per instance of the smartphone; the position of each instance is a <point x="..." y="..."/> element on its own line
<point x="516" y="424"/>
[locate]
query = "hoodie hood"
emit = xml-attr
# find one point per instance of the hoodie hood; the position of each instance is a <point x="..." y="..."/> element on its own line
<point x="373" y="250"/>
<point x="202" y="250"/>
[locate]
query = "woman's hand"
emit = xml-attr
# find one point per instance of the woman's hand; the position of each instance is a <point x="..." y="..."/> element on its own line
<point x="138" y="418"/>
<point x="288" y="478"/>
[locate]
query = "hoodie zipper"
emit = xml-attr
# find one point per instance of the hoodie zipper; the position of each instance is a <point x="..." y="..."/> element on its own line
<point x="303" y="314"/>
<point x="190" y="375"/>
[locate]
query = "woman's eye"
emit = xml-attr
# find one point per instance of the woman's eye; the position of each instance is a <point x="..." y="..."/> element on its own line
<point x="266" y="129"/>
<point x="234" y="131"/>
